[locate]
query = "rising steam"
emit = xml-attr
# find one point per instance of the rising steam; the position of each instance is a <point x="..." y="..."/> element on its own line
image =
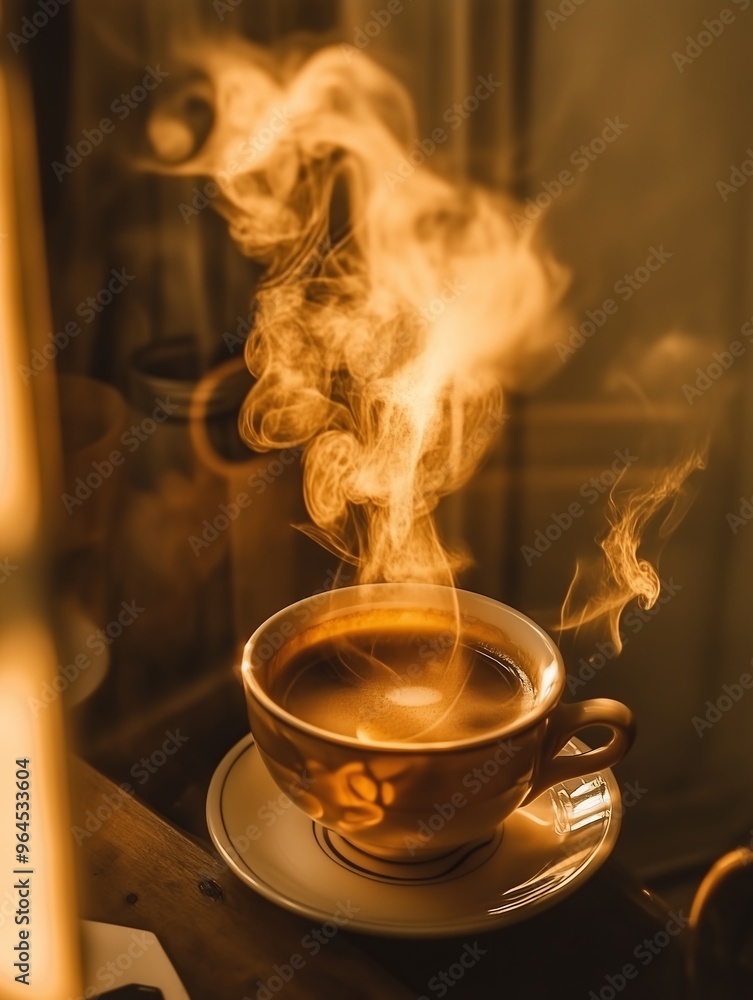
<point x="389" y="359"/>
<point x="389" y="353"/>
<point x="601" y="589"/>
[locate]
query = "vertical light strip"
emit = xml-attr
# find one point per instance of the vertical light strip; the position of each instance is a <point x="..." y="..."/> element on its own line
<point x="458" y="34"/>
<point x="39" y="956"/>
<point x="37" y="895"/>
<point x="19" y="493"/>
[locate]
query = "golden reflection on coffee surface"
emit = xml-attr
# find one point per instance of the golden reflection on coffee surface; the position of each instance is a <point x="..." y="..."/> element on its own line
<point x="400" y="684"/>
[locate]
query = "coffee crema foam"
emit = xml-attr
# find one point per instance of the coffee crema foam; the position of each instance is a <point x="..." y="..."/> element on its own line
<point x="400" y="676"/>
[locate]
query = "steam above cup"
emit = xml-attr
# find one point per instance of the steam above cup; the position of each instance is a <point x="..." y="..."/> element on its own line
<point x="380" y="792"/>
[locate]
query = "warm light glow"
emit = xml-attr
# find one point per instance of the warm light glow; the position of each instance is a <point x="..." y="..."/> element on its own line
<point x="414" y="696"/>
<point x="19" y="495"/>
<point x="26" y="662"/>
<point x="31" y="743"/>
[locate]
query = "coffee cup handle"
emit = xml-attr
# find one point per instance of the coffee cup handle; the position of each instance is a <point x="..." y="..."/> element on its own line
<point x="567" y="720"/>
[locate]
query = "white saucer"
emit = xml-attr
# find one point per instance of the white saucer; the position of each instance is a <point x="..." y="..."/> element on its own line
<point x="539" y="856"/>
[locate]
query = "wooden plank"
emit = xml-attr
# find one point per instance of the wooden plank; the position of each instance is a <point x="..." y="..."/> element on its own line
<point x="222" y="938"/>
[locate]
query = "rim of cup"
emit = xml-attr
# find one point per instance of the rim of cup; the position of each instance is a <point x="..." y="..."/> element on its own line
<point x="548" y="694"/>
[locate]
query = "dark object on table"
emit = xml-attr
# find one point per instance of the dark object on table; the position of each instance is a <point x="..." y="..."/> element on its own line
<point x="133" y="992"/>
<point x="721" y="920"/>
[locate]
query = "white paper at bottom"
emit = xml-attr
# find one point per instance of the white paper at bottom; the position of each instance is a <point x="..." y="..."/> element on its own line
<point x="115" y="956"/>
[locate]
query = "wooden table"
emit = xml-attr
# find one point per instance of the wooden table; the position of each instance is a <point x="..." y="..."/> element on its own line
<point x="222" y="938"/>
